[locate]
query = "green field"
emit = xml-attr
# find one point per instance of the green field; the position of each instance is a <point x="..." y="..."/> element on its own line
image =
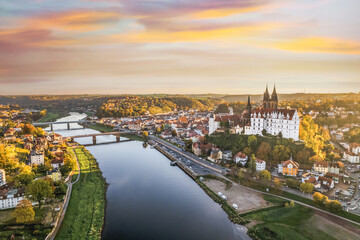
<point x="101" y="127"/>
<point x="85" y="214"/>
<point x="52" y="116"/>
<point x="299" y="222"/>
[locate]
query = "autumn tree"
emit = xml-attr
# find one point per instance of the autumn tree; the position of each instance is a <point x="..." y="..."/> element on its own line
<point x="39" y="190"/>
<point x="320" y="199"/>
<point x="277" y="184"/>
<point x="252" y="164"/>
<point x="252" y="142"/>
<point x="280" y="153"/>
<point x="306" y="187"/>
<point x="173" y="133"/>
<point x="334" y="206"/>
<point x="24" y="212"/>
<point x="145" y="134"/>
<point x="264" y="150"/>
<point x="265" y="174"/>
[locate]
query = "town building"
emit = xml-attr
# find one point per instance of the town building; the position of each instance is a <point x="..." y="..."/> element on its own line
<point x="288" y="168"/>
<point x="351" y="157"/>
<point x="36" y="158"/>
<point x="273" y="119"/>
<point x="241" y="158"/>
<point x="260" y="165"/>
<point x="10" y="197"/>
<point x="2" y="177"/>
<point x="54" y="174"/>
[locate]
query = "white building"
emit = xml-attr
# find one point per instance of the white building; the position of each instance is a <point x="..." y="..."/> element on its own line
<point x="241" y="157"/>
<point x="268" y="117"/>
<point x="351" y="157"/>
<point x="2" y="177"/>
<point x="36" y="158"/>
<point x="274" y="121"/>
<point x="260" y="165"/>
<point x="11" y="198"/>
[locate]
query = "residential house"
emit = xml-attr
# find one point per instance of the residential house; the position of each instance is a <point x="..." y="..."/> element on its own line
<point x="322" y="167"/>
<point x="9" y="197"/>
<point x="241" y="157"/>
<point x="36" y="158"/>
<point x="215" y="155"/>
<point x="351" y="157"/>
<point x="57" y="162"/>
<point x="260" y="165"/>
<point x="227" y="155"/>
<point x="201" y="148"/>
<point x="54" y="174"/>
<point x="288" y="168"/>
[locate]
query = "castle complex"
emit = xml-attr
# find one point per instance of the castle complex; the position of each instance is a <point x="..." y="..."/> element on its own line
<point x="267" y="118"/>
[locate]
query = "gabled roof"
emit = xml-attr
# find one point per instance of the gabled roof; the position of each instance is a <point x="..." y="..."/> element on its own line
<point x="268" y="111"/>
<point x="286" y="163"/>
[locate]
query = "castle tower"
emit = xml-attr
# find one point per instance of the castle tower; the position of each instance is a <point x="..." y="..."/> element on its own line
<point x="212" y="125"/>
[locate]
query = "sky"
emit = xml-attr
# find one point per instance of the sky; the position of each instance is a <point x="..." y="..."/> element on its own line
<point x="178" y="47"/>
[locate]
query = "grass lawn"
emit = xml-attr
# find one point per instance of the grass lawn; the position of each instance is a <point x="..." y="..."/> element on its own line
<point x="101" y="127"/>
<point x="85" y="214"/>
<point x="288" y="223"/>
<point x="51" y="117"/>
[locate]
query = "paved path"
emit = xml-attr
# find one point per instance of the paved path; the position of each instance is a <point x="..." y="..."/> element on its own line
<point x="55" y="230"/>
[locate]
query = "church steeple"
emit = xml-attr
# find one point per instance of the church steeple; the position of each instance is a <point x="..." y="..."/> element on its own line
<point x="274" y="95"/>
<point x="266" y="98"/>
<point x="274" y="99"/>
<point x="248" y="110"/>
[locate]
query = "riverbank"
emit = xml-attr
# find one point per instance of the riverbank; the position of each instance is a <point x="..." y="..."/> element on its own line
<point x="53" y="116"/>
<point x="85" y="214"/>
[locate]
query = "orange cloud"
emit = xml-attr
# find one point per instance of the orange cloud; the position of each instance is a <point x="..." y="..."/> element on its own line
<point x="75" y="20"/>
<point x="320" y="44"/>
<point x="225" y="34"/>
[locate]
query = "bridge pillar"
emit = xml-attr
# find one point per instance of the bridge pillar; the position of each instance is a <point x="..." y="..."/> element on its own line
<point x="68" y="126"/>
<point x="51" y="127"/>
<point x="94" y="140"/>
<point x="118" y="138"/>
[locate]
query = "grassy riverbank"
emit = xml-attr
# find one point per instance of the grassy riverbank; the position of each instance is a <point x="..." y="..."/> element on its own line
<point x="298" y="222"/>
<point x="84" y="217"/>
<point x="269" y="189"/>
<point x="52" y="116"/>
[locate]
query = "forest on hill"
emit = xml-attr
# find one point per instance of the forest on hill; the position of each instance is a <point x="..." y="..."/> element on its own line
<point x="135" y="105"/>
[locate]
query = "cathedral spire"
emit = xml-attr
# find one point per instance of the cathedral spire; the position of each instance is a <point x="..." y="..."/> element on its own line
<point x="274" y="94"/>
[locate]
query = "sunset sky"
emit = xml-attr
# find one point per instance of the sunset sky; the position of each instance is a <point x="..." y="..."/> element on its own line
<point x="184" y="46"/>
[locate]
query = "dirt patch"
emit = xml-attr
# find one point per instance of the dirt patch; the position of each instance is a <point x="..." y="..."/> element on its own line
<point x="252" y="223"/>
<point x="338" y="230"/>
<point x="245" y="199"/>
<point x="6" y="215"/>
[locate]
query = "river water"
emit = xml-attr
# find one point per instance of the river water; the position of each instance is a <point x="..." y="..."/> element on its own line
<point x="149" y="199"/>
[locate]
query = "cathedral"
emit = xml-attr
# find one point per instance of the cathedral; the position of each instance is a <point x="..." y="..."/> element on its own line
<point x="268" y="118"/>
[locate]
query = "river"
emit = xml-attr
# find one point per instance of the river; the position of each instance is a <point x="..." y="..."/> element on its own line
<point x="149" y="199"/>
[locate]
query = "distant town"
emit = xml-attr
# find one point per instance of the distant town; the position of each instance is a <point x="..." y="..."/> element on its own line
<point x="306" y="151"/>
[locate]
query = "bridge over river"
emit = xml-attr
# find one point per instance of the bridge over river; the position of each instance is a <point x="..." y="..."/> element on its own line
<point x="94" y="135"/>
<point x="60" y="122"/>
